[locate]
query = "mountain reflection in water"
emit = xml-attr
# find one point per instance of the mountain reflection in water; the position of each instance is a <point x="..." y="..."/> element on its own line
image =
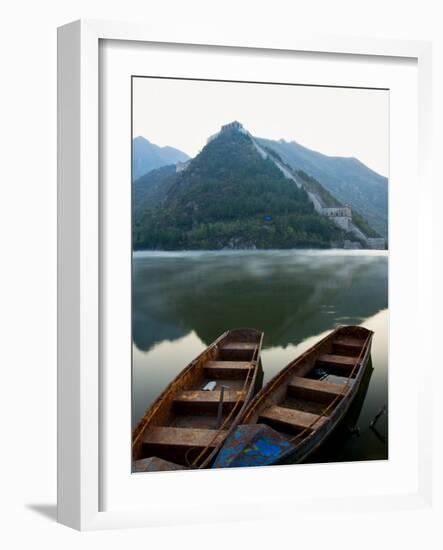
<point x="290" y="295"/>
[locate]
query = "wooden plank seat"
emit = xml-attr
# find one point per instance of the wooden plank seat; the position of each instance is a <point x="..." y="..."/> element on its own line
<point x="227" y="369"/>
<point x="347" y="346"/>
<point x="237" y="350"/>
<point x="341" y="361"/>
<point x="349" y="342"/>
<point x="206" y="401"/>
<point x="155" y="464"/>
<point x="337" y="359"/>
<point x="314" y="390"/>
<point x="291" y="418"/>
<point x="182" y="437"/>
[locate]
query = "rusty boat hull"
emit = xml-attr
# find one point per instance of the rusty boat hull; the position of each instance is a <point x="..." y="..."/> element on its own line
<point x="298" y="409"/>
<point x="188" y="423"/>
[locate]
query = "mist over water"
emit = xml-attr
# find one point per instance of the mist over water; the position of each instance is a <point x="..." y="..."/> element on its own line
<point x="183" y="300"/>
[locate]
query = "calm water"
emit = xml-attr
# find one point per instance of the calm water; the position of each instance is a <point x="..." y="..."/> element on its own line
<point x="182" y="301"/>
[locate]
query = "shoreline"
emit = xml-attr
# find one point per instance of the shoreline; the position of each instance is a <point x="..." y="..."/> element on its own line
<point x="248" y="251"/>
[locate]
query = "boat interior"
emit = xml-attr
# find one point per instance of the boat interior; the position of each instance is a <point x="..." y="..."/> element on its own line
<point x="192" y="419"/>
<point x="310" y="388"/>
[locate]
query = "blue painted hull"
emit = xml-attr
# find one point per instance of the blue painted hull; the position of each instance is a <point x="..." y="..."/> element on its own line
<point x="253" y="445"/>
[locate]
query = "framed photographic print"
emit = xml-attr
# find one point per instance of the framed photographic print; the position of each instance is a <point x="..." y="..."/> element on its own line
<point x="239" y="233"/>
<point x="235" y="247"/>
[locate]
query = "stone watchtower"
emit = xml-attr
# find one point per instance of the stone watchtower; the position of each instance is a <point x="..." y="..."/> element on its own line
<point x="341" y="216"/>
<point x="232" y="126"/>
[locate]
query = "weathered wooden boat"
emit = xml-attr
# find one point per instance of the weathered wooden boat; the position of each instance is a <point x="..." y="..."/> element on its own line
<point x="300" y="407"/>
<point x="189" y="421"/>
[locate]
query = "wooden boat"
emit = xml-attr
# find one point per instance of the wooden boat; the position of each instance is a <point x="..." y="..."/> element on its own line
<point x="299" y="408"/>
<point x="189" y="421"/>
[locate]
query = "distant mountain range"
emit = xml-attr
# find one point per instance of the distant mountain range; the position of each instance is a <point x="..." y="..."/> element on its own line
<point x="347" y="179"/>
<point x="147" y="156"/>
<point x="247" y="192"/>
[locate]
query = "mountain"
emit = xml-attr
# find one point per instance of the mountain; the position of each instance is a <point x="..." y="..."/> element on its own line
<point x="152" y="188"/>
<point x="233" y="194"/>
<point x="147" y="156"/>
<point x="347" y="179"/>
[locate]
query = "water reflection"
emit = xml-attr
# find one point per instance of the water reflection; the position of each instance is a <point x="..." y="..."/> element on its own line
<point x="183" y="301"/>
<point x="290" y="295"/>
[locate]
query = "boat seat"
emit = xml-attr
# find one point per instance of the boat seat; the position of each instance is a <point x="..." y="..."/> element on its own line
<point x="349" y="342"/>
<point x="182" y="437"/>
<point x="314" y="390"/>
<point x="292" y="418"/>
<point x="340" y="362"/>
<point x="155" y="464"/>
<point x="206" y="401"/>
<point x="227" y="369"/>
<point x="237" y="350"/>
<point x="347" y="346"/>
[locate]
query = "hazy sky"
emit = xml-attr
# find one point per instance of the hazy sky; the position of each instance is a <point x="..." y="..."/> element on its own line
<point x="335" y="121"/>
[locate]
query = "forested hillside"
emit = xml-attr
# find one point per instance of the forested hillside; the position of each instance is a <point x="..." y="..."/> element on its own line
<point x="229" y="196"/>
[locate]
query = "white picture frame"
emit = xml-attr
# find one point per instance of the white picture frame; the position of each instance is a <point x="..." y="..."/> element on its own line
<point x="82" y="293"/>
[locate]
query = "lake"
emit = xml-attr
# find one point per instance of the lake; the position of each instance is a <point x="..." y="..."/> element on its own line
<point x="182" y="301"/>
